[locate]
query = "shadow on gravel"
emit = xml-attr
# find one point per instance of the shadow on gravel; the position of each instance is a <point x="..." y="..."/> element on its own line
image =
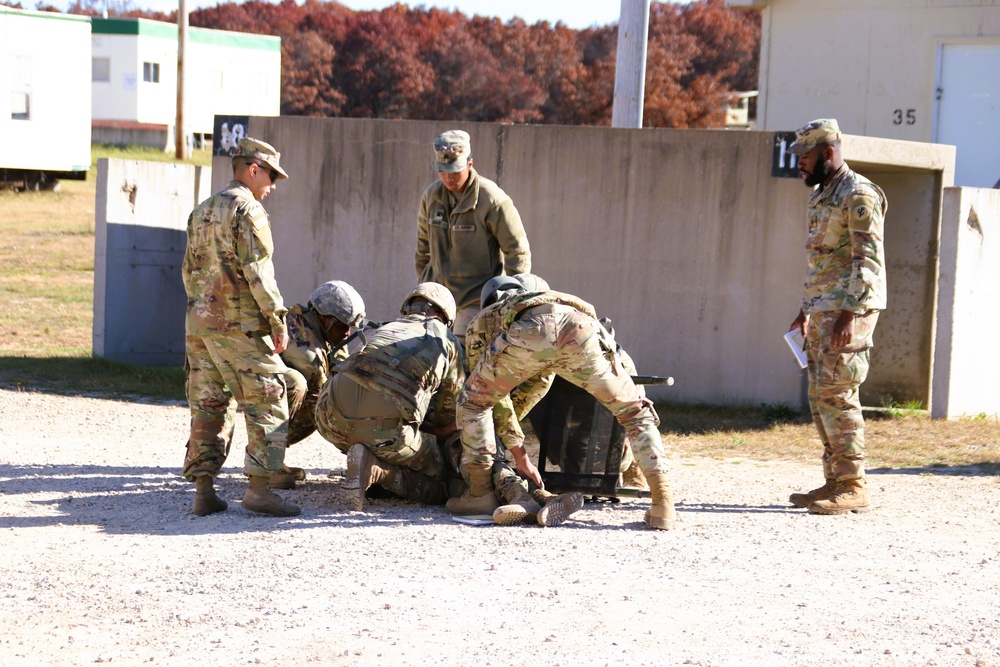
<point x="157" y="501"/>
<point x="977" y="470"/>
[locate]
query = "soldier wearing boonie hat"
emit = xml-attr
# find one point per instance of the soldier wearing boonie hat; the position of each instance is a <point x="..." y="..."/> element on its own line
<point x="468" y="229"/>
<point x="254" y="149"/>
<point x="845" y="290"/>
<point x="235" y="329"/>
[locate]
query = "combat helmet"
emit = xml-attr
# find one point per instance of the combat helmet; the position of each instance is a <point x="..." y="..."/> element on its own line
<point x="337" y="299"/>
<point x="437" y="294"/>
<point x="532" y="282"/>
<point x="496" y="286"/>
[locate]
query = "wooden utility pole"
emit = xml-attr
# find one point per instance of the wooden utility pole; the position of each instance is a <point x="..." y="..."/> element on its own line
<point x="630" y="66"/>
<point x="182" y="36"/>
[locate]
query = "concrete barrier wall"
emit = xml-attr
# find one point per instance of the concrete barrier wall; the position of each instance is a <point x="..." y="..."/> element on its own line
<point x="140" y="236"/>
<point x="682" y="237"/>
<point x="966" y="357"/>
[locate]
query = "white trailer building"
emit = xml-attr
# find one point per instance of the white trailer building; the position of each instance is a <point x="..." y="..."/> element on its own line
<point x="43" y="74"/>
<point x="135" y="79"/>
<point x="919" y="70"/>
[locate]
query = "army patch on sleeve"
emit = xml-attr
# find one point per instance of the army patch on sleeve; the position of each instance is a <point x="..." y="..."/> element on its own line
<point x="860" y="212"/>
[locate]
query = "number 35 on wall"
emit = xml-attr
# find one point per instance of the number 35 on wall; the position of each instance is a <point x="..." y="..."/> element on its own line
<point x="899" y="116"/>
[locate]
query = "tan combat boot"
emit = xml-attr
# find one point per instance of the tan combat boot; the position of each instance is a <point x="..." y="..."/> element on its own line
<point x="807" y="499"/>
<point x="286" y="478"/>
<point x="259" y="498"/>
<point x="661" y="513"/>
<point x="205" y="500"/>
<point x="633" y="478"/>
<point x="520" y="507"/>
<point x="479" y="498"/>
<point x="851" y="495"/>
<point x="363" y="470"/>
<point x="556" y="509"/>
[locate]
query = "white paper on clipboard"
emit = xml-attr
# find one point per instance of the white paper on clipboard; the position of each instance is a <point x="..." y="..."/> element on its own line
<point x="795" y="341"/>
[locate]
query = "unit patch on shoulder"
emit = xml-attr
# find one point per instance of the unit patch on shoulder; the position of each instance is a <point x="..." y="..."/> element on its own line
<point x="860" y="212"/>
<point x="260" y="220"/>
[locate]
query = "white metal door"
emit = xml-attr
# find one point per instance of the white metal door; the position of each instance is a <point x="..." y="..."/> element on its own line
<point x="969" y="111"/>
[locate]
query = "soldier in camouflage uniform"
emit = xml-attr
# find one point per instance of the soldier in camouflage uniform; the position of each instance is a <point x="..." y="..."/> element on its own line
<point x="409" y="371"/>
<point x="844" y="291"/>
<point x="544" y="332"/>
<point x="235" y="330"/>
<point x="468" y="229"/>
<point x="317" y="332"/>
<point x="521" y="503"/>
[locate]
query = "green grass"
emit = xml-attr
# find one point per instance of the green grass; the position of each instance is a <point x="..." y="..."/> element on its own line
<point x="47" y="291"/>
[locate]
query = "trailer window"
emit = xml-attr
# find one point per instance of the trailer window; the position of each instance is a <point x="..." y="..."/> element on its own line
<point x="100" y="69"/>
<point x="151" y="72"/>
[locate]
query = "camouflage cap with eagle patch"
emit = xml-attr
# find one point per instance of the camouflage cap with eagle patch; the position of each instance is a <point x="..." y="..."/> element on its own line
<point x="452" y="150"/>
<point x="254" y="149"/>
<point x="819" y="131"/>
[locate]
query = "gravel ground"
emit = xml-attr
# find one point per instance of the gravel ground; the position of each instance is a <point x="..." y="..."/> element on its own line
<point x="104" y="563"/>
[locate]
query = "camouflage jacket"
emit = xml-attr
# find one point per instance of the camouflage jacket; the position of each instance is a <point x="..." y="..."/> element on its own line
<point x="228" y="274"/>
<point x="415" y="363"/>
<point x="307" y="351"/>
<point x="464" y="240"/>
<point x="846" y="269"/>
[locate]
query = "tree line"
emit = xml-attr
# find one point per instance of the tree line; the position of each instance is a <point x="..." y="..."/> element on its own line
<point x="430" y="64"/>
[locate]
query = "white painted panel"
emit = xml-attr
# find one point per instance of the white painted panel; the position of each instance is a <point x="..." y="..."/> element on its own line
<point x="969" y="111"/>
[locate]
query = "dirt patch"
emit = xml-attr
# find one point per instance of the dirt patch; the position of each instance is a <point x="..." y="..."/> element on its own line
<point x="104" y="563"/>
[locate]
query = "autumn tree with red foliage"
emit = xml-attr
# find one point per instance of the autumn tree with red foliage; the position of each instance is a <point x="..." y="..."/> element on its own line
<point x="430" y="64"/>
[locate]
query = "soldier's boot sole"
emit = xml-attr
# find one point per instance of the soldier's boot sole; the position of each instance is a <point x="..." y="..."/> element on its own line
<point x="823" y="509"/>
<point x="268" y="503"/>
<point x="208" y="504"/>
<point x="556" y="511"/>
<point x="299" y="474"/>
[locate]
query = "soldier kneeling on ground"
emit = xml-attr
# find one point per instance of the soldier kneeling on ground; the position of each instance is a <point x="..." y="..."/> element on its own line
<point x="374" y="405"/>
<point x="317" y="335"/>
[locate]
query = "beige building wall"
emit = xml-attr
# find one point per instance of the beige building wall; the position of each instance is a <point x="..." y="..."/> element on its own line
<point x="875" y="66"/>
<point x="966" y="357"/>
<point x="683" y="238"/>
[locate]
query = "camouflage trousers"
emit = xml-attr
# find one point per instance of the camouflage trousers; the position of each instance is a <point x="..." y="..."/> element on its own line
<point x="301" y="406"/>
<point x="834" y="399"/>
<point x="574" y="346"/>
<point x="224" y="372"/>
<point x="376" y="424"/>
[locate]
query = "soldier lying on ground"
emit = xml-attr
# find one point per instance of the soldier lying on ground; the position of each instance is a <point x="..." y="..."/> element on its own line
<point x="373" y="407"/>
<point x="317" y="335"/>
<point x="553" y="332"/>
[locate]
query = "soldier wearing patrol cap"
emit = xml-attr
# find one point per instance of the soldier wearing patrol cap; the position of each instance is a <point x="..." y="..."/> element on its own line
<point x="235" y="329"/>
<point x="317" y="333"/>
<point x="845" y="290"/>
<point x="468" y="229"/>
